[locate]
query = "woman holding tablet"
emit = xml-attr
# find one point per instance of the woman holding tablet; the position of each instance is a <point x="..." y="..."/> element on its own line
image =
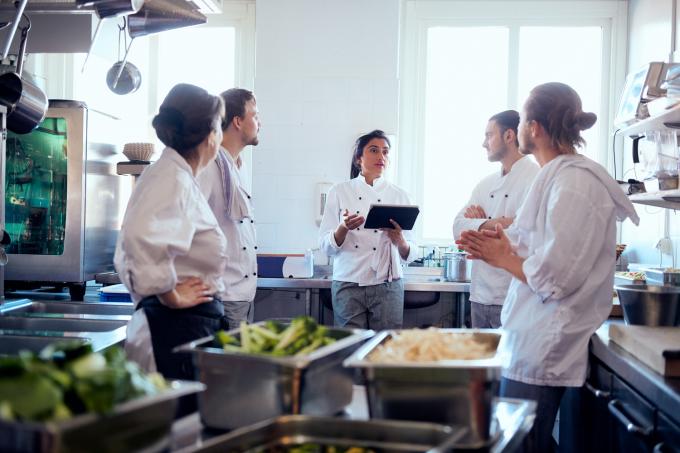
<point x="367" y="288"/>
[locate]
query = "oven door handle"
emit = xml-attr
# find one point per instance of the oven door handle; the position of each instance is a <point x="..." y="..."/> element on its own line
<point x="597" y="392"/>
<point x="617" y="411"/>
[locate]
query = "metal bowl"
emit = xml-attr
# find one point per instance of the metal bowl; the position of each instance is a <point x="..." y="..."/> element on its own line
<point x="650" y="305"/>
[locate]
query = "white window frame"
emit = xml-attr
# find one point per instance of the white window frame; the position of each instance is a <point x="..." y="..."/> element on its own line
<point x="420" y="15"/>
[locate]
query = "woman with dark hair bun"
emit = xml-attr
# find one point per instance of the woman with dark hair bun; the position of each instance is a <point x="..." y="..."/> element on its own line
<point x="170" y="251"/>
<point x="367" y="288"/>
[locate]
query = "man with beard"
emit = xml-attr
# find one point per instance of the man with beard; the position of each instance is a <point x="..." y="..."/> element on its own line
<point x="560" y="252"/>
<point x="495" y="201"/>
<point x="222" y="185"/>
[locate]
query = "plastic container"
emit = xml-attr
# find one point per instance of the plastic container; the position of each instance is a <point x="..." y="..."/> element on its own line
<point x="114" y="293"/>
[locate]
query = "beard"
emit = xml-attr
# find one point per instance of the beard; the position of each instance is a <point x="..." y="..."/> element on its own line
<point x="526" y="145"/>
<point x="498" y="155"/>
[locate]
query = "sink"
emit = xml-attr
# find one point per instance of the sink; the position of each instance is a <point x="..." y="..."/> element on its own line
<point x="60" y="324"/>
<point x="68" y="308"/>
<point x="12" y="344"/>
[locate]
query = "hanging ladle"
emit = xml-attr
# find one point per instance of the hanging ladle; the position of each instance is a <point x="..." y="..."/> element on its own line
<point x="123" y="77"/>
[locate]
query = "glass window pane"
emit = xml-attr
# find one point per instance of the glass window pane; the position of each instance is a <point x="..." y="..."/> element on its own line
<point x="572" y="55"/>
<point x="465" y="85"/>
<point x="201" y="56"/>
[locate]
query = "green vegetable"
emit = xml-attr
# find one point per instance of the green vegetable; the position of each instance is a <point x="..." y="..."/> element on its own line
<point x="69" y="379"/>
<point x="301" y="337"/>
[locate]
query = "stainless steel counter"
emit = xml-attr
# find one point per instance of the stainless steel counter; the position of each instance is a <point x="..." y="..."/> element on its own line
<point x="663" y="392"/>
<point x="410" y="284"/>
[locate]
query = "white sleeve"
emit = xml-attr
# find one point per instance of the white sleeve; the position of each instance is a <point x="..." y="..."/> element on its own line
<point x="209" y="181"/>
<point x="151" y="237"/>
<point x="461" y="223"/>
<point x="329" y="223"/>
<point x="574" y="233"/>
<point x="408" y="236"/>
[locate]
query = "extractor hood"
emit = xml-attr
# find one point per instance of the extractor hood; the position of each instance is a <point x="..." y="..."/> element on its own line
<point x="69" y="6"/>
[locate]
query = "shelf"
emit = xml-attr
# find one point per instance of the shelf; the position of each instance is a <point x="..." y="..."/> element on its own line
<point x="664" y="199"/>
<point x="665" y="120"/>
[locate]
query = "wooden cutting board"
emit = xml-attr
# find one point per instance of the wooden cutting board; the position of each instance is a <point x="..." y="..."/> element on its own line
<point x="656" y="347"/>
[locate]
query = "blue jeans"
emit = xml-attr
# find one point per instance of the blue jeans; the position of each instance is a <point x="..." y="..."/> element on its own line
<point x="548" y="400"/>
<point x="376" y="307"/>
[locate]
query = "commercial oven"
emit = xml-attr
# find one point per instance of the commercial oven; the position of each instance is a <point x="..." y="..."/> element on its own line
<point x="64" y="201"/>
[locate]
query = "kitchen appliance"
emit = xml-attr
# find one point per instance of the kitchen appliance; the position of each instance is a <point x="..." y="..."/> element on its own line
<point x="63" y="200"/>
<point x="641" y="87"/>
<point x="285" y="265"/>
<point x="650" y="305"/>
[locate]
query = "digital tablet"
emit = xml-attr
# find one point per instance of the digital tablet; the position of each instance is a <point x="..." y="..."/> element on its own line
<point x="379" y="216"/>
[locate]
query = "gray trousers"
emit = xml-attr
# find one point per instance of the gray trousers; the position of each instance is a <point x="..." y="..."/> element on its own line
<point x="539" y="439"/>
<point x="238" y="310"/>
<point x="485" y="316"/>
<point x="376" y="307"/>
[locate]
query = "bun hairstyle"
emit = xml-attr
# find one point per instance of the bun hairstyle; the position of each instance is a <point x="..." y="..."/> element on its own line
<point x="359" y="146"/>
<point x="557" y="107"/>
<point x="186" y="117"/>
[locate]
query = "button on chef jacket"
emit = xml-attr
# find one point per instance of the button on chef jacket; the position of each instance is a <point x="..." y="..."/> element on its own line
<point x="367" y="256"/>
<point x="500" y="196"/>
<point x="169" y="234"/>
<point x="566" y="231"/>
<point x="237" y="224"/>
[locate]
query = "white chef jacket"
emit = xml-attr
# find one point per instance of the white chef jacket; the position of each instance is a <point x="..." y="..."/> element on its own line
<point x="566" y="231"/>
<point x="237" y="222"/>
<point x="500" y="196"/>
<point x="367" y="256"/>
<point x="168" y="234"/>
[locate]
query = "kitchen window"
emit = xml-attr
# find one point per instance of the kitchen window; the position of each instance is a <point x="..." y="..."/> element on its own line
<point x="450" y="87"/>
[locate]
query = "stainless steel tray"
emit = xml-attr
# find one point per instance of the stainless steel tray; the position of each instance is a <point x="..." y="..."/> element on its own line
<point x="457" y="392"/>
<point x="140" y="424"/>
<point x="247" y="388"/>
<point x="659" y="275"/>
<point x="382" y="435"/>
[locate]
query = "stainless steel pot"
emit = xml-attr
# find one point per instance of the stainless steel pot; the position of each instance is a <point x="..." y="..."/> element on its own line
<point x="455" y="266"/>
<point x="129" y="80"/>
<point x="26" y="103"/>
<point x="650" y="305"/>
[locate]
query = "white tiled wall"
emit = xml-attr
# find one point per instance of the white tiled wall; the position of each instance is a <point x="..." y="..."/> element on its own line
<point x="326" y="72"/>
<point x="650" y="40"/>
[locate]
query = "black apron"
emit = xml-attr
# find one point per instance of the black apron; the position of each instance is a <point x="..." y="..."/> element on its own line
<point x="171" y="327"/>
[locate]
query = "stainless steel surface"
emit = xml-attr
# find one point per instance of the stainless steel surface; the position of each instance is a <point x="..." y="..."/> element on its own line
<point x="452" y="391"/>
<point x="142" y="424"/>
<point x="380" y="435"/>
<point x="410" y="284"/>
<point x="13" y="344"/>
<point x="650" y="305"/>
<point x="123" y="78"/>
<point x="19" y="10"/>
<point x="246" y="388"/>
<point x="161" y="15"/>
<point x="83" y="308"/>
<point x="92" y="216"/>
<point x="59" y="323"/>
<point x="113" y="8"/>
<point x="26" y="103"/>
<point x="455" y="266"/>
<point x="662" y="276"/>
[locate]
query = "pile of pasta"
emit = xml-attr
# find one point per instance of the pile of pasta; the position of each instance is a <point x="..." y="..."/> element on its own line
<point x="430" y="345"/>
